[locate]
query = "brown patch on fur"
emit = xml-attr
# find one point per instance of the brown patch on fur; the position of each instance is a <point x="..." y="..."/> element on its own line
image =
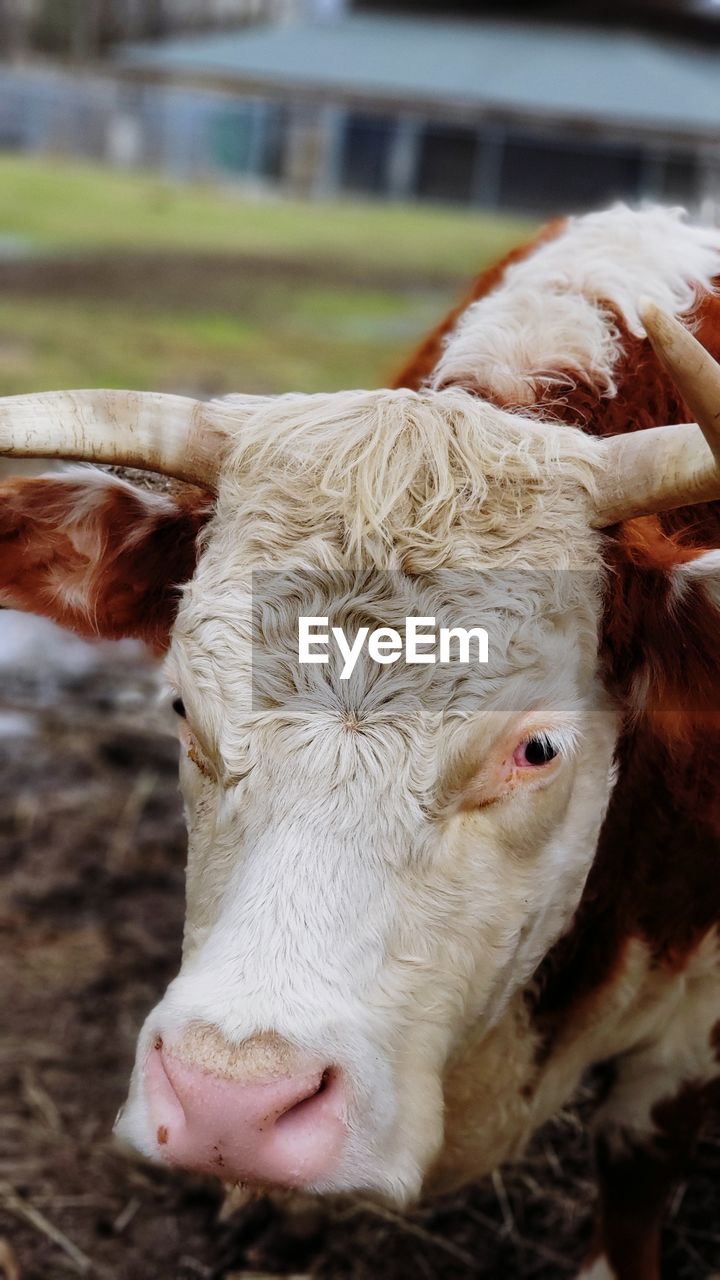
<point x="199" y="759"/>
<point x="654" y="875"/>
<point x="96" y="555"/>
<point x="655" y="649"/>
<point x="162" y="1135"/>
<point x="645" y="398"/>
<point x="655" y="870"/>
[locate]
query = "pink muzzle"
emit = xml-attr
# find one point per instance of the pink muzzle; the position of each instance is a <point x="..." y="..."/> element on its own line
<point x="287" y="1130"/>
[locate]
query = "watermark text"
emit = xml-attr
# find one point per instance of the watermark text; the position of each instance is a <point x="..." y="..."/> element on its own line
<point x="422" y="642"/>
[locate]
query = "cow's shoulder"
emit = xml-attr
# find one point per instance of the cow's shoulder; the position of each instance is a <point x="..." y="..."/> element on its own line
<point x="418" y="369"/>
<point x="556" y="329"/>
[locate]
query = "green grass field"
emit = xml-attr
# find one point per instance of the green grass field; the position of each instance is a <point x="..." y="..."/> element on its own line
<point x="201" y="290"/>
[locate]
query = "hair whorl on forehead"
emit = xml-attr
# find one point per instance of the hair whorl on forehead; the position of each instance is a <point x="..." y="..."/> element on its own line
<point x="376" y="475"/>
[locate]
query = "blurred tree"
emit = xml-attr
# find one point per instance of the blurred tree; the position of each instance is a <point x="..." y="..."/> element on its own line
<point x="16" y="20"/>
<point x="83" y="28"/>
<point x="11" y="29"/>
<point x="684" y="17"/>
<point x="155" y="21"/>
<point x="69" y="27"/>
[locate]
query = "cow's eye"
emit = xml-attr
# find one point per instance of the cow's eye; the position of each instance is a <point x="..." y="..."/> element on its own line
<point x="178" y="707"/>
<point x="534" y="752"/>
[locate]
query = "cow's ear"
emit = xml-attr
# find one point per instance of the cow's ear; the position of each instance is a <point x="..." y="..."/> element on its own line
<point x="662" y="630"/>
<point x="96" y="554"/>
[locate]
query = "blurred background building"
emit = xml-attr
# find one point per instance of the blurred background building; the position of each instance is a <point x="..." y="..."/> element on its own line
<point x="526" y="107"/>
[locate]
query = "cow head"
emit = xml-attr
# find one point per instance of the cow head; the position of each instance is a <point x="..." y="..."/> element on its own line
<point x="375" y="865"/>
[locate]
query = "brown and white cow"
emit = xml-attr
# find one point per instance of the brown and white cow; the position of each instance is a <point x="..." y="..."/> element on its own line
<point x="419" y="908"/>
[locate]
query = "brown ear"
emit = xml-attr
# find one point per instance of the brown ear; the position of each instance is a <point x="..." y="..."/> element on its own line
<point x="96" y="554"/>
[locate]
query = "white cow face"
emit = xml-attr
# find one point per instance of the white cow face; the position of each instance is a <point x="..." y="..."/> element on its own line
<point x="376" y="864"/>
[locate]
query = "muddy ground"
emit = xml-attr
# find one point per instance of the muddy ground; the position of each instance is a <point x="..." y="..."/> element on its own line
<point x="91" y="905"/>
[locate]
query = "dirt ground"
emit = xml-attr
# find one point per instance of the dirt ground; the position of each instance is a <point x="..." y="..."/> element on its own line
<point x="91" y="904"/>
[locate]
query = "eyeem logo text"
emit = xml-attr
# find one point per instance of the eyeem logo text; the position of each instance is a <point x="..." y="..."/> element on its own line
<point x="421" y="643"/>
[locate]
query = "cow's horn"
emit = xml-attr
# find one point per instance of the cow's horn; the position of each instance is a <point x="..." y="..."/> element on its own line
<point x="173" y="435"/>
<point x="674" y="466"/>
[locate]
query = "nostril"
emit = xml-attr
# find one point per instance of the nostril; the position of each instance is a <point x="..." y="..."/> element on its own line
<point x="327" y="1083"/>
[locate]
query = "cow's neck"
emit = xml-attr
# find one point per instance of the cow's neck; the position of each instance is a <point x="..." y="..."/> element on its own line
<point x="653" y="892"/>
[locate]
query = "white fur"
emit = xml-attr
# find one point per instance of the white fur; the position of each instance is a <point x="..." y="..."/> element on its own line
<point x="702" y="572"/>
<point x="553" y="317"/>
<point x="677" y="1022"/>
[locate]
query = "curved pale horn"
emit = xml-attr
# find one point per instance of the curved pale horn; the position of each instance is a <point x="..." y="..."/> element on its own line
<point x="674" y="466"/>
<point x="173" y="435"/>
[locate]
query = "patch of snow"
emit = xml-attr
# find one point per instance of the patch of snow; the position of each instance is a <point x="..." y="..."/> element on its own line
<point x="16" y="724"/>
<point x="30" y="644"/>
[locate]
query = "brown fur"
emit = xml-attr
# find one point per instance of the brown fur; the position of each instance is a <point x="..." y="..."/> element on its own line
<point x="129" y="585"/>
<point x="634" y="1189"/>
<point x="655" y="873"/>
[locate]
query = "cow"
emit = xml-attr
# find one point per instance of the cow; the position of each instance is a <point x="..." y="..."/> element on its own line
<point x="422" y="904"/>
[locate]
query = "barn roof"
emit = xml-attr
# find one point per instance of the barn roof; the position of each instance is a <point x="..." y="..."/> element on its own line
<point x="507" y="67"/>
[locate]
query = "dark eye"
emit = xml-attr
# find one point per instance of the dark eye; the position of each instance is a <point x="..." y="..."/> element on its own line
<point x="535" y="752"/>
<point x="178" y="707"/>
